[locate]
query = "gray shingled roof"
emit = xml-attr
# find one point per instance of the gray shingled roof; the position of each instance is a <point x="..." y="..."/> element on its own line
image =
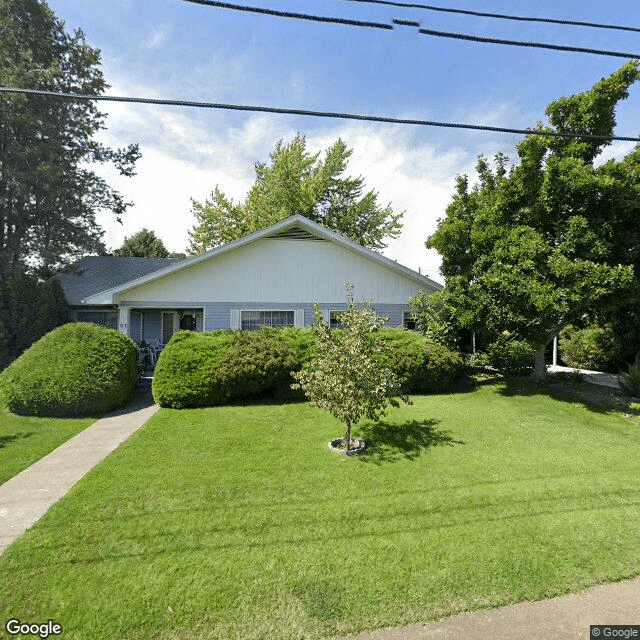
<point x="93" y="274"/>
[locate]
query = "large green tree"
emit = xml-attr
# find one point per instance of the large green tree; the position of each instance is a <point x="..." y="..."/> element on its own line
<point x="48" y="194"/>
<point x="297" y="182"/>
<point x="143" y="244"/>
<point x="544" y="243"/>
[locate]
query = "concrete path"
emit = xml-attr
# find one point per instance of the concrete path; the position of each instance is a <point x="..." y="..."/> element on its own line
<point x="25" y="498"/>
<point x="564" y="618"/>
<point x="596" y="377"/>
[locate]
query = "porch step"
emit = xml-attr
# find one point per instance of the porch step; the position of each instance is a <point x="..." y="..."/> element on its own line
<point x="144" y="382"/>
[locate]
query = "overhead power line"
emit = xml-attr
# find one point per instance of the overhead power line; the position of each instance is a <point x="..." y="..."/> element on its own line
<point x="296" y="16"/>
<point x="500" y="16"/>
<point x="389" y="27"/>
<point x="307" y="112"/>
<point x="520" y="43"/>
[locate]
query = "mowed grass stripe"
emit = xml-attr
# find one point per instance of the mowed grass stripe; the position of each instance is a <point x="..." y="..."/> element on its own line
<point x="237" y="522"/>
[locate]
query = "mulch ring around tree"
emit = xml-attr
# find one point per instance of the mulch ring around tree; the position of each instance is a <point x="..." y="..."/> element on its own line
<point x="356" y="447"/>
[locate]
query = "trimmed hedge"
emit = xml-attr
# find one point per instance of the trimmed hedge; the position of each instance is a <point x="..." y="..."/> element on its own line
<point x="209" y="369"/>
<point x="419" y="363"/>
<point x="184" y="373"/>
<point x="76" y="369"/>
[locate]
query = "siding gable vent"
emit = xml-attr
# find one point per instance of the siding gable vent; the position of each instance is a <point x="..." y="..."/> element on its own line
<point x="295" y="233"/>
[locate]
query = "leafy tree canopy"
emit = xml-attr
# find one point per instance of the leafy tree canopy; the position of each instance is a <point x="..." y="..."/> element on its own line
<point x="539" y="245"/>
<point x="143" y="244"/>
<point x="48" y="194"/>
<point x="297" y="182"/>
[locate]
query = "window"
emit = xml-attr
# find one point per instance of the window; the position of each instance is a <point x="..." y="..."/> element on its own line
<point x="333" y="319"/>
<point x="253" y="320"/>
<point x="408" y="321"/>
<point x="103" y="318"/>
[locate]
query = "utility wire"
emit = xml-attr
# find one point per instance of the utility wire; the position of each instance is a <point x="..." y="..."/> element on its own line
<point x="520" y="43"/>
<point x="317" y="114"/>
<point x="297" y="16"/>
<point x="501" y="16"/>
<point x="389" y="27"/>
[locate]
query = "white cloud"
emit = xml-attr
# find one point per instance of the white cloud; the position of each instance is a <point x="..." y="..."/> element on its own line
<point x="185" y="154"/>
<point x="157" y="37"/>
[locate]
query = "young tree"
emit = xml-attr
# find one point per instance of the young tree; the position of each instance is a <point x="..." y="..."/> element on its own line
<point x="534" y="248"/>
<point x="48" y="194"/>
<point x="345" y="379"/>
<point x="143" y="244"/>
<point x="297" y="182"/>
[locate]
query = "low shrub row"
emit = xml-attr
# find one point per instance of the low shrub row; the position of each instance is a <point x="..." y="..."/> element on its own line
<point x="209" y="369"/>
<point x="420" y="364"/>
<point x="76" y="369"/>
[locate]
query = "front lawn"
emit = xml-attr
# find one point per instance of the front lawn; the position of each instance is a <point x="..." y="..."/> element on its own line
<point x="24" y="440"/>
<point x="237" y="522"/>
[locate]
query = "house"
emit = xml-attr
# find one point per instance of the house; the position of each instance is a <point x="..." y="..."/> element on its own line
<point x="271" y="277"/>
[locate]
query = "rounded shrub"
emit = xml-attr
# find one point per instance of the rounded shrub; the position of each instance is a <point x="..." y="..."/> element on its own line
<point x="256" y="363"/>
<point x="184" y="373"/>
<point x="76" y="369"/>
<point x="302" y="341"/>
<point x="419" y="363"/>
<point x="209" y="369"/>
<point x="511" y="356"/>
<point x="595" y="348"/>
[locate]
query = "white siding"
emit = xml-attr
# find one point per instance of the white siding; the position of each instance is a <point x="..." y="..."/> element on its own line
<point x="276" y="271"/>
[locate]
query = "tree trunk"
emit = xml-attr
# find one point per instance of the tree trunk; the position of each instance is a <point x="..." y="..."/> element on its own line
<point x="540" y="368"/>
<point x="348" y="435"/>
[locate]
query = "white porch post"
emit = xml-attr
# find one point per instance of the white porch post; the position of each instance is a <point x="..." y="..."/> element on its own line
<point x="124" y="320"/>
<point x="555" y="350"/>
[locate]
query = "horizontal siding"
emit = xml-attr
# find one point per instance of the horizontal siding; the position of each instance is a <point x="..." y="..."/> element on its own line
<point x="218" y="316"/>
<point x="215" y="316"/>
<point x="272" y="270"/>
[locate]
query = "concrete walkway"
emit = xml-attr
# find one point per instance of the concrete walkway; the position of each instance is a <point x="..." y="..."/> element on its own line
<point x="595" y="377"/>
<point x="25" y="498"/>
<point x="564" y="618"/>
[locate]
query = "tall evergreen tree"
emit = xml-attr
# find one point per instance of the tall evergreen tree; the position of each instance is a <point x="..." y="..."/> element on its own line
<point x="297" y="182"/>
<point x="28" y="309"/>
<point x="48" y="195"/>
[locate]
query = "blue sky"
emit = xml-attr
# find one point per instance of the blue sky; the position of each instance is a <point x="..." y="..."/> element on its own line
<point x="176" y="49"/>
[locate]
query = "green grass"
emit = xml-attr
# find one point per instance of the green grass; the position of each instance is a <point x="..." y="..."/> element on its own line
<point x="24" y="440"/>
<point x="238" y="522"/>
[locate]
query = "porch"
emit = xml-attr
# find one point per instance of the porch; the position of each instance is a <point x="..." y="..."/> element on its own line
<point x="156" y="326"/>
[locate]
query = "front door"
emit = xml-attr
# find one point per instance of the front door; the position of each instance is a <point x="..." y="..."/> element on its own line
<point x="188" y="322"/>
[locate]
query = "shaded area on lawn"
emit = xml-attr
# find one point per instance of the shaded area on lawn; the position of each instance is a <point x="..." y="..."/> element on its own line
<point x="593" y="397"/>
<point x="390" y="442"/>
<point x="6" y="440"/>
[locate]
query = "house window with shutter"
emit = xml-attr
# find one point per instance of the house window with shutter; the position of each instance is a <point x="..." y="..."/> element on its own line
<point x="253" y="320"/>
